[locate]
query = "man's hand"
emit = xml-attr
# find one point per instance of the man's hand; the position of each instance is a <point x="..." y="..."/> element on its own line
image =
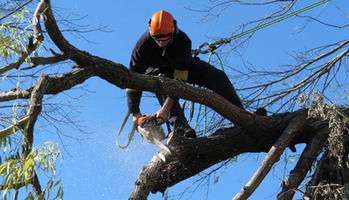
<point x="165" y="109"/>
<point x="162" y="114"/>
<point x="135" y="117"/>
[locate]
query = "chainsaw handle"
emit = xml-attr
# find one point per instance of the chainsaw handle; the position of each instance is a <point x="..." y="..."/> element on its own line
<point x="159" y="121"/>
<point x="142" y="119"/>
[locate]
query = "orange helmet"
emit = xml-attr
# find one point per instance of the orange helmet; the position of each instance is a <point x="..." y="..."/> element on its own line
<point x="162" y="25"/>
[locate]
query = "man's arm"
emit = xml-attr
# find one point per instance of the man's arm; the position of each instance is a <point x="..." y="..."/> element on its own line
<point x="165" y="109"/>
<point x="133" y="101"/>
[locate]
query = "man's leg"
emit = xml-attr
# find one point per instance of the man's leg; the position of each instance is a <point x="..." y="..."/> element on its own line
<point x="204" y="74"/>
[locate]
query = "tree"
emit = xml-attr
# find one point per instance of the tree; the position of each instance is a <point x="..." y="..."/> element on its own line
<point x="321" y="127"/>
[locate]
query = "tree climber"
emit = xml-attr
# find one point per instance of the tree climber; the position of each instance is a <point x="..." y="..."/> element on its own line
<point x="164" y="49"/>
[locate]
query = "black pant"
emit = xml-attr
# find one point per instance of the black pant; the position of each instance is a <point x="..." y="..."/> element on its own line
<point x="204" y="74"/>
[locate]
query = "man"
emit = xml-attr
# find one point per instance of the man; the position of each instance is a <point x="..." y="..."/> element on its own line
<point x="165" y="49"/>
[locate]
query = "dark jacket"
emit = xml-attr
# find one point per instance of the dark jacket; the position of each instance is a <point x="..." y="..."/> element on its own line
<point x="148" y="58"/>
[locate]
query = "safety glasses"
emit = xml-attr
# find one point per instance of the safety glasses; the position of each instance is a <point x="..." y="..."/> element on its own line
<point x="162" y="37"/>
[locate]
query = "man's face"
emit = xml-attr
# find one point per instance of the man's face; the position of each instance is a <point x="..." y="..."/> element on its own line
<point x="163" y="42"/>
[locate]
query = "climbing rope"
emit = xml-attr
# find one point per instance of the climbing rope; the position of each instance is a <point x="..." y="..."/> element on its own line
<point x="209" y="48"/>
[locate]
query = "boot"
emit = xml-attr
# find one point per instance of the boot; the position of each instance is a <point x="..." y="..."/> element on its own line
<point x="186" y="131"/>
<point x="261" y="112"/>
<point x="182" y="128"/>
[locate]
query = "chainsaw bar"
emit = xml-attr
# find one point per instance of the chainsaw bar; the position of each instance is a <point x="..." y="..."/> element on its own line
<point x="162" y="146"/>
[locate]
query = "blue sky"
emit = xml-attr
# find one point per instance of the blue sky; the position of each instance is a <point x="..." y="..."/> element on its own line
<point x="93" y="167"/>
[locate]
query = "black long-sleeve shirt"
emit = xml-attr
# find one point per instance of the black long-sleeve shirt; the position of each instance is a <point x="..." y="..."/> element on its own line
<point x="147" y="54"/>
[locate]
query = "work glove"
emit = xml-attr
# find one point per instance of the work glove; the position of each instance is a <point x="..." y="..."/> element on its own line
<point x="181" y="74"/>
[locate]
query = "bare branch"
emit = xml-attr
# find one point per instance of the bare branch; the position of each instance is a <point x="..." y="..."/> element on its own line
<point x="325" y="71"/>
<point x="12" y="95"/>
<point x="21" y="59"/>
<point x="32" y="46"/>
<point x="47" y="60"/>
<point x="14" y="128"/>
<point x="15" y="10"/>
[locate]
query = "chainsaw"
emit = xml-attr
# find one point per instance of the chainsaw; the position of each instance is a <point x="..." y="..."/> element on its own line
<point x="150" y="129"/>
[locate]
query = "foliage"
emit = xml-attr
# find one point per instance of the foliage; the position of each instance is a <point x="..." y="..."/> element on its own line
<point x="18" y="170"/>
<point x="19" y="163"/>
<point x="13" y="35"/>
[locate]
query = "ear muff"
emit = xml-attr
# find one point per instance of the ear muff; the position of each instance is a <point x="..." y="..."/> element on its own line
<point x="176" y="30"/>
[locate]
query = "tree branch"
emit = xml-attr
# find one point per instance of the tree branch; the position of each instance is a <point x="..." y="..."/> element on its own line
<point x="15" y="10"/>
<point x="34" y="110"/>
<point x="304" y="164"/>
<point x="18" y="185"/>
<point x="32" y="45"/>
<point x="21" y="59"/>
<point x="191" y="156"/>
<point x="47" y="60"/>
<point x="272" y="157"/>
<point x="16" y="94"/>
<point x="14" y="128"/>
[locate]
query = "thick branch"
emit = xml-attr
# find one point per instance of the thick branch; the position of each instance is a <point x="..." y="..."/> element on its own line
<point x="191" y="156"/>
<point x="36" y="20"/>
<point x="304" y="164"/>
<point x="34" y="110"/>
<point x="316" y="177"/>
<point x="37" y="187"/>
<point x="53" y="30"/>
<point x="216" y="102"/>
<point x="272" y="157"/>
